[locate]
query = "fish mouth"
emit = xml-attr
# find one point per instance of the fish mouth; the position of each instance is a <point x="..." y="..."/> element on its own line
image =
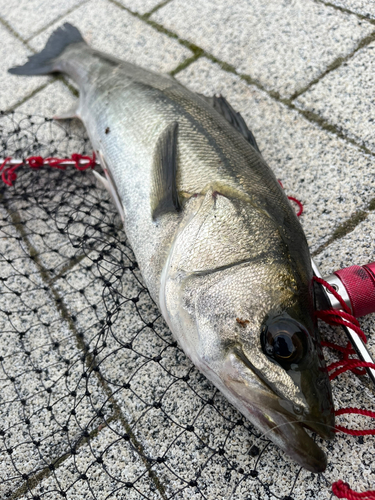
<point x="290" y="435"/>
<point x="277" y="420"/>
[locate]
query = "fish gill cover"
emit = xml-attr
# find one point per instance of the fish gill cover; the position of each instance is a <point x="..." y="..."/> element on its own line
<point x="97" y="400"/>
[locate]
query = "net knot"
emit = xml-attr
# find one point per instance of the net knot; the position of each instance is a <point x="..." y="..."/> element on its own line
<point x="90" y="161"/>
<point x="35" y="161"/>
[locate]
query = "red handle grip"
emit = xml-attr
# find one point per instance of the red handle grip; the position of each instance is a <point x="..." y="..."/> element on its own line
<point x="360" y="285"/>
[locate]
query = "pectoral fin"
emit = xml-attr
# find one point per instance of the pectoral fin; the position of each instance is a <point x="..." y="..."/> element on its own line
<point x="233" y="117"/>
<point x="164" y="195"/>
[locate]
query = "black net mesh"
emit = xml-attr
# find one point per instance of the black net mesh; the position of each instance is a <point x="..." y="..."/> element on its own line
<point x="97" y="400"/>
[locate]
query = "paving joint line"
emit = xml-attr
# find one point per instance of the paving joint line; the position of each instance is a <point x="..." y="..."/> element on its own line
<point x="68" y="267"/>
<point x="334" y="65"/>
<point x="89" y="358"/>
<point x="154" y="9"/>
<point x="12" y="31"/>
<point x="186" y="63"/>
<point x="58" y="18"/>
<point x="363" y="17"/>
<point x="35" y="479"/>
<point x="347" y="226"/>
<point x="29" y="96"/>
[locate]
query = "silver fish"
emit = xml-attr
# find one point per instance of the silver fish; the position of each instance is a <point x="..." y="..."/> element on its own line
<point x="218" y="244"/>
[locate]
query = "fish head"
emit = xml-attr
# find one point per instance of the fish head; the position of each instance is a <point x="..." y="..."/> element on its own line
<point x="249" y="326"/>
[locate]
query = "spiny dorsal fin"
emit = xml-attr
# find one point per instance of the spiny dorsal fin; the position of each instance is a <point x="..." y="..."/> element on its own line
<point x="164" y="189"/>
<point x="233" y="117"/>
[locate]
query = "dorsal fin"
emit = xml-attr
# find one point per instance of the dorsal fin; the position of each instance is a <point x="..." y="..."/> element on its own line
<point x="164" y="187"/>
<point x="233" y="117"/>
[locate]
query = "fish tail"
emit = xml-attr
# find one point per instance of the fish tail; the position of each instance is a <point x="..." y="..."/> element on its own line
<point x="47" y="61"/>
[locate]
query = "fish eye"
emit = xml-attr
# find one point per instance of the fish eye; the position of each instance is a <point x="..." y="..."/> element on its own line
<point x="284" y="341"/>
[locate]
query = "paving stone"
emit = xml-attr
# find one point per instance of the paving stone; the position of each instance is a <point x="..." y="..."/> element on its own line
<point x="283" y="45"/>
<point x="111" y="29"/>
<point x="363" y="7"/>
<point x="330" y="177"/>
<point x="345" y="97"/>
<point x="28" y="17"/>
<point x="45" y="402"/>
<point x="140" y="6"/>
<point x="356" y="248"/>
<point x="13" y="88"/>
<point x="49" y="102"/>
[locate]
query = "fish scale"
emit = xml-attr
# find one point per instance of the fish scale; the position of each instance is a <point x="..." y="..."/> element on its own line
<point x="218" y="244"/>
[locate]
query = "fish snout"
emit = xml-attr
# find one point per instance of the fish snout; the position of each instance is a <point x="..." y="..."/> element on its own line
<point x="284" y="421"/>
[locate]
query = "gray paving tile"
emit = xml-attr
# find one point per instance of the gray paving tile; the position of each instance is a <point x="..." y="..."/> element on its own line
<point x="331" y="178"/>
<point x="45" y="403"/>
<point x="345" y="97"/>
<point x="355" y="248"/>
<point x="13" y="88"/>
<point x="82" y="476"/>
<point x="27" y="17"/>
<point x="363" y="7"/>
<point x="111" y="29"/>
<point x="48" y="102"/>
<point x="283" y="45"/>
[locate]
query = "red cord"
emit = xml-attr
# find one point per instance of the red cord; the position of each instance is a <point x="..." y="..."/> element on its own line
<point x="291" y="198"/>
<point x="300" y="206"/>
<point x="343" y="490"/>
<point x="9" y="175"/>
<point x="334" y="317"/>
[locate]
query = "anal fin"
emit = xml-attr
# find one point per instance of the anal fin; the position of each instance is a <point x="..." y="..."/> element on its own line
<point x="164" y="195"/>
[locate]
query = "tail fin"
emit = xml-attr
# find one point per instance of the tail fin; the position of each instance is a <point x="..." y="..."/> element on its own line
<point x="45" y="62"/>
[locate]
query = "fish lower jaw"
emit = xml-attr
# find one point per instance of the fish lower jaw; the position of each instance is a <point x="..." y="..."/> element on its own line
<point x="284" y="430"/>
